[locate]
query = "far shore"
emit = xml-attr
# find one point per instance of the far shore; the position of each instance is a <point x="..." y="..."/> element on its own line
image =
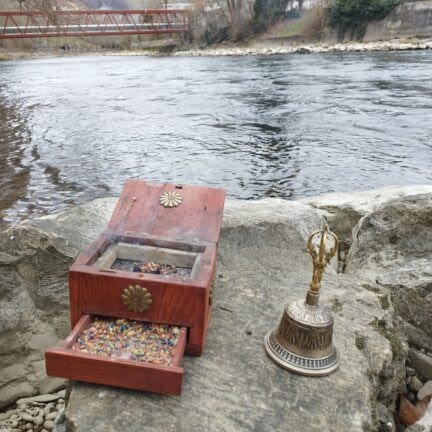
<point x="252" y="48"/>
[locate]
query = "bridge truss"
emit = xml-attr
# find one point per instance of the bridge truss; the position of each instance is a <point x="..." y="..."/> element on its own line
<point x="26" y="24"/>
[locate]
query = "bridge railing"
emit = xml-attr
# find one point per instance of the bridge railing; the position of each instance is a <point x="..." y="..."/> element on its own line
<point x="93" y="23"/>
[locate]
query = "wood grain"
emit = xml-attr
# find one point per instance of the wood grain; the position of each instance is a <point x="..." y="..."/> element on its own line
<point x="65" y="362"/>
<point x="191" y="229"/>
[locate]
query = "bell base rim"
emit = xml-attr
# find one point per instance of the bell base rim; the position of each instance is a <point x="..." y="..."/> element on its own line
<point x="301" y="365"/>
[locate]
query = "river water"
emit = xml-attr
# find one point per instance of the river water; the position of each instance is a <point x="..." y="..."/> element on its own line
<point x="73" y="129"/>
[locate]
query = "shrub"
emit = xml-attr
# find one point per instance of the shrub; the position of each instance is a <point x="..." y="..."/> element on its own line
<point x="354" y="15"/>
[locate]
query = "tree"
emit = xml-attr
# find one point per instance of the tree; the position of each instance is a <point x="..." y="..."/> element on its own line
<point x="354" y="15"/>
<point x="47" y="6"/>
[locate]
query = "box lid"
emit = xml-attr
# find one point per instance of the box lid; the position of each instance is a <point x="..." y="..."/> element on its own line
<point x="168" y="210"/>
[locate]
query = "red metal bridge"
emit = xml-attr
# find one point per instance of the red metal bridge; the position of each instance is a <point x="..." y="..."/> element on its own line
<point x="29" y="24"/>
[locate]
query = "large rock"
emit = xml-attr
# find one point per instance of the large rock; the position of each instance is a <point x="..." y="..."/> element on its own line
<point x="34" y="302"/>
<point x="343" y="210"/>
<point x="392" y="246"/>
<point x="234" y="386"/>
<point x="411" y="291"/>
<point x="393" y="236"/>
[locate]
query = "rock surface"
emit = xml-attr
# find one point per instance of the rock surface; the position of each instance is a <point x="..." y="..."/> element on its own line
<point x="411" y="291"/>
<point x="394" y="236"/>
<point x="234" y="386"/>
<point x="34" y="301"/>
<point x="343" y="210"/>
<point x="262" y="264"/>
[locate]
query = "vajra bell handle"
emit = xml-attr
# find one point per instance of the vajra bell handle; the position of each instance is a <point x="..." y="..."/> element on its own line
<point x="321" y="255"/>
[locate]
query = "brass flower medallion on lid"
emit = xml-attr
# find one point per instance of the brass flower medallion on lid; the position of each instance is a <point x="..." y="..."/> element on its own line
<point x="136" y="298"/>
<point x="170" y="199"/>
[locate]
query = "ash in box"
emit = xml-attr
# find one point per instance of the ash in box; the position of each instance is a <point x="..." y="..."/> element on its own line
<point x="129" y="340"/>
<point x="150" y="267"/>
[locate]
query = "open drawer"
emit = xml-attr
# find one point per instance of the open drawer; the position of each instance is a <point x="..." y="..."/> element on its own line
<point x="121" y="353"/>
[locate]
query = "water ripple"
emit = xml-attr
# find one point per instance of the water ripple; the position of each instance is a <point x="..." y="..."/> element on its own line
<point x="75" y="129"/>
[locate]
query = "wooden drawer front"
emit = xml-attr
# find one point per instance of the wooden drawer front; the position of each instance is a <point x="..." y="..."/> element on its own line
<point x="66" y="362"/>
<point x="102" y="294"/>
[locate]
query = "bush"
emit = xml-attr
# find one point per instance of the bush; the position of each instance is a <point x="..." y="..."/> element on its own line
<point x="268" y="12"/>
<point x="354" y="15"/>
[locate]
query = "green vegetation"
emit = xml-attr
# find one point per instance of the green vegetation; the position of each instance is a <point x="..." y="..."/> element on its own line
<point x="385" y="301"/>
<point x="395" y="343"/>
<point x="360" y="342"/>
<point x="371" y="288"/>
<point x="268" y="12"/>
<point x="337" y="305"/>
<point x="353" y="16"/>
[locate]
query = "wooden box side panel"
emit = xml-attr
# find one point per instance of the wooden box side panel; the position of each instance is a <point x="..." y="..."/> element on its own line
<point x="76" y="366"/>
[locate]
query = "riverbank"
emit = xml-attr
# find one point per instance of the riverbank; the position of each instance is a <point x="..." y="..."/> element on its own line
<point x="251" y="48"/>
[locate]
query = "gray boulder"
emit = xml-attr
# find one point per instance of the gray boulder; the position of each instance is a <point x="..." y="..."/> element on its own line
<point x="262" y="264"/>
<point x="422" y="363"/>
<point x="397" y="233"/>
<point x="343" y="210"/>
<point x="410" y="287"/>
<point x="234" y="386"/>
<point x="34" y="301"/>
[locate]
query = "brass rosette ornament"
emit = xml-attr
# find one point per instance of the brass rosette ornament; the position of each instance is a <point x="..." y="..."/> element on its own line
<point x="170" y="199"/>
<point x="136" y="298"/>
<point x="303" y="340"/>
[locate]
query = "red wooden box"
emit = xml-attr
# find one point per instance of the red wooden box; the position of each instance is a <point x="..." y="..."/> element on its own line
<point x="164" y="223"/>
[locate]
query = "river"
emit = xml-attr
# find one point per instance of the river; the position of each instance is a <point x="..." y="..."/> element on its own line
<point x="75" y="128"/>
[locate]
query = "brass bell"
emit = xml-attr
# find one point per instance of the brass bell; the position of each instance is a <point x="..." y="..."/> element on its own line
<point x="303" y="341"/>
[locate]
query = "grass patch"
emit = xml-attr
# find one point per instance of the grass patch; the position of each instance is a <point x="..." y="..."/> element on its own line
<point x="309" y="25"/>
<point x="360" y="342"/>
<point x="336" y="306"/>
<point x="371" y="288"/>
<point x="395" y="343"/>
<point x="385" y="301"/>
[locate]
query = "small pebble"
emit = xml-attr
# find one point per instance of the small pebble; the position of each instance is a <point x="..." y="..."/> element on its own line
<point x="48" y="424"/>
<point x="28" y="426"/>
<point x="410" y="396"/>
<point x="51" y="416"/>
<point x="38" y="420"/>
<point x="415" y="384"/>
<point x="39" y="399"/>
<point x="410" y="372"/>
<point x="61" y="394"/>
<point x="48" y="408"/>
<point x="426" y="390"/>
<point x="27" y="417"/>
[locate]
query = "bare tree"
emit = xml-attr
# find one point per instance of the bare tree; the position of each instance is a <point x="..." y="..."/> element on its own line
<point x="237" y="14"/>
<point x="46" y="6"/>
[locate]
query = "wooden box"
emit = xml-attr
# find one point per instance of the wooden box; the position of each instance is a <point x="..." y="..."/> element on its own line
<point x="171" y="225"/>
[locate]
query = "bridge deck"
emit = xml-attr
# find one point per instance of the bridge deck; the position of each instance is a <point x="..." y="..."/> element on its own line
<point x="93" y="23"/>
